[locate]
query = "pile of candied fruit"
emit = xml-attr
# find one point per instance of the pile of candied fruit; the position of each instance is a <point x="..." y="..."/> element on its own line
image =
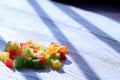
<point x="32" y="54"/>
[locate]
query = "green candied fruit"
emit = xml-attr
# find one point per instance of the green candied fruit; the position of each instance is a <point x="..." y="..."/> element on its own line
<point x="18" y="62"/>
<point x="29" y="62"/>
<point x="34" y="56"/>
<point x="57" y="56"/>
<point x="38" y="64"/>
<point x="48" y="57"/>
<point x="26" y="51"/>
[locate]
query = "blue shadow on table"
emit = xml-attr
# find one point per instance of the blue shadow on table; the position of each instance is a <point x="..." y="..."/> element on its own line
<point x="32" y="73"/>
<point x="103" y="36"/>
<point x="2" y="44"/>
<point x="87" y="70"/>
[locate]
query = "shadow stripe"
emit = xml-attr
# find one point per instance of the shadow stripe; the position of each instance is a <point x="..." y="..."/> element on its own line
<point x="58" y="34"/>
<point x="90" y="27"/>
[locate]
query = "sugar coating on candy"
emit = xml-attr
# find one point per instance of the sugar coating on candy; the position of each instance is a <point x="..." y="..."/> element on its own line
<point x="32" y="54"/>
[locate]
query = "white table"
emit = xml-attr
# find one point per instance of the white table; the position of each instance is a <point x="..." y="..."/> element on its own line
<point x="93" y="40"/>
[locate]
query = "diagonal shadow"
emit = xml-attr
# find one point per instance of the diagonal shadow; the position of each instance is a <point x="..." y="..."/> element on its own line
<point x="82" y="64"/>
<point x="2" y="44"/>
<point x="114" y="44"/>
<point x="30" y="74"/>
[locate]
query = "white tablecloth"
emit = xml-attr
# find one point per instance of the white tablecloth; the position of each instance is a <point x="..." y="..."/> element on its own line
<point x="93" y="40"/>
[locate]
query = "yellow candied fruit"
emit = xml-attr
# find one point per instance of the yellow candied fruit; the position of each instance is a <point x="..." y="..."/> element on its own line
<point x="16" y="46"/>
<point x="55" y="63"/>
<point x="4" y="55"/>
<point x="40" y="52"/>
<point x="51" y="46"/>
<point x="55" y="48"/>
<point x="9" y="45"/>
<point x="50" y="51"/>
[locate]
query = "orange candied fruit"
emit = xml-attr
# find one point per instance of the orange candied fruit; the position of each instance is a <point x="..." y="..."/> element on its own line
<point x="29" y="41"/>
<point x="31" y="52"/>
<point x="19" y="52"/>
<point x="36" y="47"/>
<point x="63" y="49"/>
